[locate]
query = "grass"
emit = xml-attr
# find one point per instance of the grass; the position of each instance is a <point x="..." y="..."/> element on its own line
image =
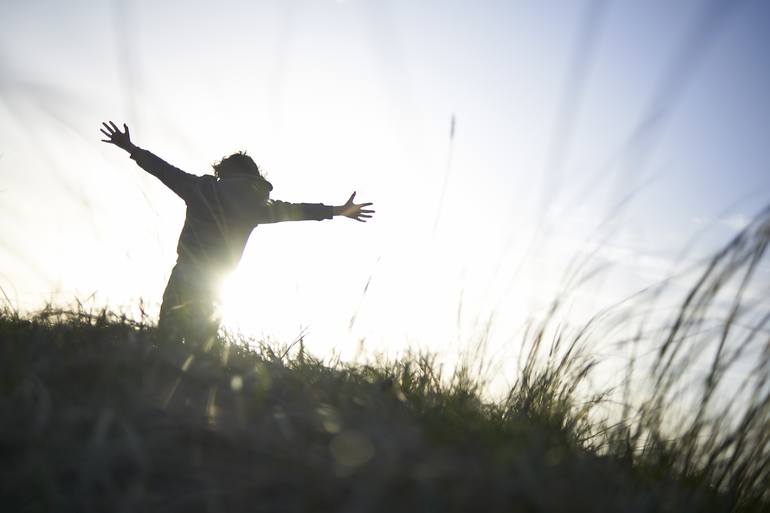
<point x="99" y="413"/>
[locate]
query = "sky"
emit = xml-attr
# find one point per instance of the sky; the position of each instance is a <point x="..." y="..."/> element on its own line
<point x="499" y="141"/>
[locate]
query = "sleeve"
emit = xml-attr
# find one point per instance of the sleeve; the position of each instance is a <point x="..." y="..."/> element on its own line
<point x="180" y="182"/>
<point x="278" y="211"/>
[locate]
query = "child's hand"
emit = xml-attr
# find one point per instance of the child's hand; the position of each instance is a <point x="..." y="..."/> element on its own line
<point x="116" y="137"/>
<point x="354" y="210"/>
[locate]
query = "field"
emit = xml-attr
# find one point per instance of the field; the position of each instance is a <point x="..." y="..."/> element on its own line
<point x="100" y="413"/>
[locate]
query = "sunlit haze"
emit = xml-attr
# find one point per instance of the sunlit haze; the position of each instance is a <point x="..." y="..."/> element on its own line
<point x="498" y="141"/>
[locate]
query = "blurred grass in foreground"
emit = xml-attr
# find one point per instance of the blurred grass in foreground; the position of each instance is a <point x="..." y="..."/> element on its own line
<point x="101" y="414"/>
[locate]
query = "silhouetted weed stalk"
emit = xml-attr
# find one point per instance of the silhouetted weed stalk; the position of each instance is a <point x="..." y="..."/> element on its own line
<point x="101" y="414"/>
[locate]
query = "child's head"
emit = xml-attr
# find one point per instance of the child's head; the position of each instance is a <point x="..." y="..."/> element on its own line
<point x="239" y="164"/>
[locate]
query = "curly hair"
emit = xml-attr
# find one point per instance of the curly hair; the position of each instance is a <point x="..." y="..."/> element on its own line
<point x="236" y="163"/>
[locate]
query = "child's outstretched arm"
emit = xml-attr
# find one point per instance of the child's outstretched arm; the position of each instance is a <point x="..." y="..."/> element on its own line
<point x="174" y="178"/>
<point x="280" y="211"/>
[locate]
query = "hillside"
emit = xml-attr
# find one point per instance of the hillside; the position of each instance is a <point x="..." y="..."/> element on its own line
<point x="98" y="414"/>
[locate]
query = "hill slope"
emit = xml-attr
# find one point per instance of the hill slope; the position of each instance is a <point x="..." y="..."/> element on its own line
<point x="98" y="414"/>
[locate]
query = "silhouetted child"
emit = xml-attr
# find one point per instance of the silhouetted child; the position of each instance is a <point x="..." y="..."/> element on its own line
<point x="222" y="210"/>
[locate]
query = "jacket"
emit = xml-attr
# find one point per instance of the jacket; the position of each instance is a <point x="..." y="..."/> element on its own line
<point x="221" y="213"/>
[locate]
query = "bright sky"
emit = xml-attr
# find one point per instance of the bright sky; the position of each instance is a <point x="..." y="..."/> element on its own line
<point x="563" y="110"/>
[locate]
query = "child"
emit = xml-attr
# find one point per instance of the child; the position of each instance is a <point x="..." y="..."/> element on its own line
<point x="222" y="210"/>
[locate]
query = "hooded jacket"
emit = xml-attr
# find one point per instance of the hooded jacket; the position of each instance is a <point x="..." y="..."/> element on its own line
<point x="222" y="213"/>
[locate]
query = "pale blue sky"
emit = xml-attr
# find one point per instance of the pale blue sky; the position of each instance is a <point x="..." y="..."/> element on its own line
<point x="563" y="109"/>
